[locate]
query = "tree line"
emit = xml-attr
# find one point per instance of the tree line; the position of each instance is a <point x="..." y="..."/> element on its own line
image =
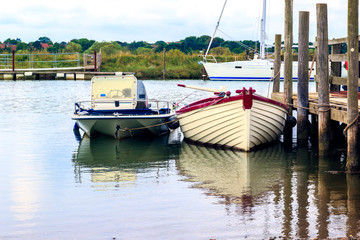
<point x="189" y="45"/>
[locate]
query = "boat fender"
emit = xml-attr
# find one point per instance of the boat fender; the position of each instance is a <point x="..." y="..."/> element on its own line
<point x="76" y="131"/>
<point x="291" y="121"/>
<point x="173" y="123"/>
<point x="117" y="130"/>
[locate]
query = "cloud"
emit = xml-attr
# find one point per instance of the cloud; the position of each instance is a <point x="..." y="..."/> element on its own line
<point x="168" y="20"/>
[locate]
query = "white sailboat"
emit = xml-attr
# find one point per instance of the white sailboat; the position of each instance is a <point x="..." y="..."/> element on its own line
<point x="258" y="69"/>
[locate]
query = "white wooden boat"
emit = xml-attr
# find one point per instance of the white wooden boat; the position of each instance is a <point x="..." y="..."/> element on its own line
<point x="119" y="108"/>
<point x="242" y="122"/>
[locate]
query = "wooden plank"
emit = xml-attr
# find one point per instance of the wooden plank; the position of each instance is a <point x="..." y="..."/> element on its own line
<point x="339" y="57"/>
<point x="336" y="80"/>
<point x="335" y="41"/>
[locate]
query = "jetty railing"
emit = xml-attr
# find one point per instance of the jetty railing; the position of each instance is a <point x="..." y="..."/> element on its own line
<point x="39" y="60"/>
<point x="153" y="104"/>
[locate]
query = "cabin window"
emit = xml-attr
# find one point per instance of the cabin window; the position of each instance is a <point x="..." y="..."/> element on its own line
<point x="238" y="66"/>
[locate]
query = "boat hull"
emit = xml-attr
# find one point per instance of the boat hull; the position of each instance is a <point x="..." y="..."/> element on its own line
<point x="255" y="70"/>
<point x="123" y="126"/>
<point x="229" y="125"/>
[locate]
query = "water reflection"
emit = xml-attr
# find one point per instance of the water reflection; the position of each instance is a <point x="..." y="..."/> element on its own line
<point x="238" y="177"/>
<point x="112" y="163"/>
<point x="288" y="194"/>
<point x="267" y="193"/>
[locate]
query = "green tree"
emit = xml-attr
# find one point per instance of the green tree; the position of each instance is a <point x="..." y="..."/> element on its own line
<point x="11" y="41"/>
<point x="145" y="51"/>
<point x="56" y="48"/>
<point x="135" y="45"/>
<point x="173" y="45"/>
<point x="106" y="47"/>
<point x="220" y="51"/>
<point x="36" y="45"/>
<point x="73" y="47"/>
<point x="22" y="46"/>
<point x="84" y="42"/>
<point x="111" y="48"/>
<point x="160" y="45"/>
<point x="44" y="40"/>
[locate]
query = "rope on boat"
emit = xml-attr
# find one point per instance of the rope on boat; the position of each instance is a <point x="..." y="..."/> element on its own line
<point x="175" y="120"/>
<point x="139" y="128"/>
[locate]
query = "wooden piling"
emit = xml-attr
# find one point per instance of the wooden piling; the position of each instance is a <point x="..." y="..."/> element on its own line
<point x="288" y="91"/>
<point x="352" y="162"/>
<point x="303" y="80"/>
<point x="164" y="66"/>
<point x="13" y="60"/>
<point x="277" y="63"/>
<point x="323" y="76"/>
<point x="95" y="62"/>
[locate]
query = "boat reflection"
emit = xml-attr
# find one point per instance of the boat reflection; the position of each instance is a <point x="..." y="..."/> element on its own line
<point x="111" y="161"/>
<point x="238" y="177"/>
<point x="292" y="193"/>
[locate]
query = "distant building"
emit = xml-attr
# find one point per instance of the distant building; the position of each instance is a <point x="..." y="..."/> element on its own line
<point x="45" y="45"/>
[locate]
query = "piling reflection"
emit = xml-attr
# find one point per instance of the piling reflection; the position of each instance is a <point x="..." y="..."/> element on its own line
<point x="311" y="197"/>
<point x="116" y="163"/>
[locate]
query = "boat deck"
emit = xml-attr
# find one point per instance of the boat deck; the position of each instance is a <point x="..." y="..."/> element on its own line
<point x="338" y="104"/>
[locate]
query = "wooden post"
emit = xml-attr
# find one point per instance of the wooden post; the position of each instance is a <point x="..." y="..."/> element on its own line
<point x="95" y="62"/>
<point x="335" y="67"/>
<point x="13" y="64"/>
<point x="323" y="76"/>
<point x="164" y="69"/>
<point x="303" y="80"/>
<point x="352" y="162"/>
<point x="277" y="63"/>
<point x="13" y="60"/>
<point x="288" y="91"/>
<point x="316" y="66"/>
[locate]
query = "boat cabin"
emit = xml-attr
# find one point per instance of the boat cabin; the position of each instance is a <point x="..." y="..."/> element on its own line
<point x="117" y="92"/>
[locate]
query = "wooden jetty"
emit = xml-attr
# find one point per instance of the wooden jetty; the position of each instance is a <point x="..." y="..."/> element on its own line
<point x="13" y="69"/>
<point x="55" y="74"/>
<point x="329" y="107"/>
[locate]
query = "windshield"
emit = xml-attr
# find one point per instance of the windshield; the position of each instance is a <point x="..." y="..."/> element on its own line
<point x="113" y="87"/>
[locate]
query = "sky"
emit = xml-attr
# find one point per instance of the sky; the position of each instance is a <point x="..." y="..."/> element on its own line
<point x="151" y="21"/>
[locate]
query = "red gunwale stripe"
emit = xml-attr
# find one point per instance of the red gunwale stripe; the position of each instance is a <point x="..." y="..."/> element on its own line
<point x="216" y="100"/>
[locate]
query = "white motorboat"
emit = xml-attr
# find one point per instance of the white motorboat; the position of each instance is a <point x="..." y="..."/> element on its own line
<point x="243" y="121"/>
<point x="119" y="107"/>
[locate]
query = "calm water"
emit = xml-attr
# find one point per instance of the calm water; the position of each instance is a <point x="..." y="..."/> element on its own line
<point x="54" y="187"/>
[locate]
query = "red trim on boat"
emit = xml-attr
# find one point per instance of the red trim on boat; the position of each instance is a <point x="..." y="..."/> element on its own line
<point x="219" y="100"/>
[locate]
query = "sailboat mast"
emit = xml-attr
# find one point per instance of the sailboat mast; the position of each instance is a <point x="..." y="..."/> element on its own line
<point x="262" y="37"/>
<point x="217" y="26"/>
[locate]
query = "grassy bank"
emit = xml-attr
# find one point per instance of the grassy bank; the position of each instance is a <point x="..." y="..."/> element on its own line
<point x="150" y="65"/>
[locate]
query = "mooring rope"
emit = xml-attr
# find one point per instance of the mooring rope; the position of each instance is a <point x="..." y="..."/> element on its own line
<point x="328" y="109"/>
<point x="350" y="124"/>
<point x="312" y="65"/>
<point x="175" y="120"/>
<point x="156" y="125"/>
<point x="271" y="79"/>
